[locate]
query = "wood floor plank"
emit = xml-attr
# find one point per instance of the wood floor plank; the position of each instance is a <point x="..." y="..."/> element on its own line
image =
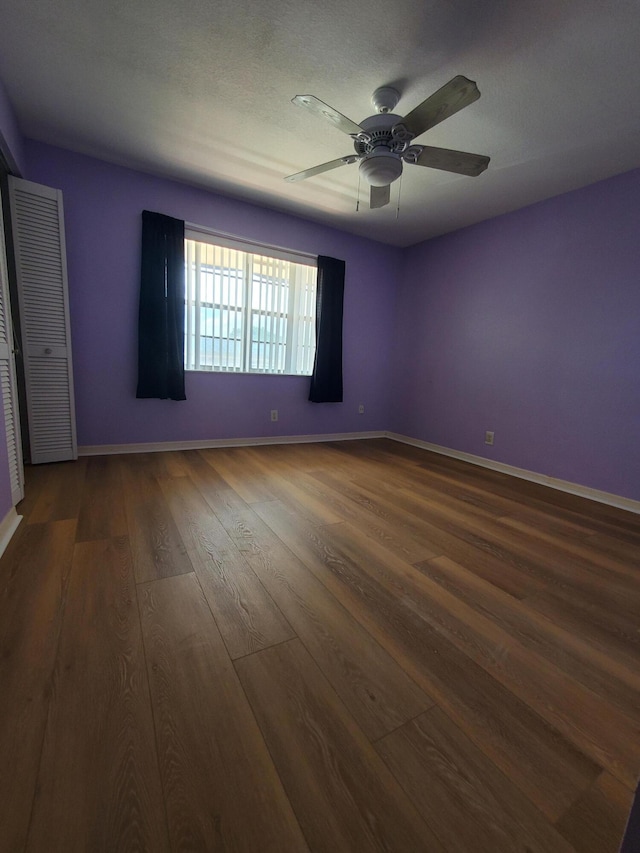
<point x="31" y="610"/>
<point x="158" y="551"/>
<point x="468" y="548"/>
<point x="174" y="464"/>
<point x="304" y="456"/>
<point x="522" y="493"/>
<point x="596" y="822"/>
<point x="609" y="545"/>
<point x="307" y="541"/>
<point x="417" y="482"/>
<point x="625" y="524"/>
<point x="381" y="508"/>
<point x="102" y="514"/>
<point x="197" y="464"/>
<point x="221" y="788"/>
<point x="249" y="483"/>
<point x="210" y="484"/>
<point x="478" y="493"/>
<point x="35" y="480"/>
<point x="612" y="679"/>
<point x="543" y="763"/>
<point x="478" y="496"/>
<point x="593" y="622"/>
<point x="99" y="785"/>
<point x="584" y="550"/>
<point x="344" y="796"/>
<point x="60" y="493"/>
<point x="487" y="535"/>
<point x="562" y="505"/>
<point x="542" y="563"/>
<point x="285" y="484"/>
<point x="593" y="724"/>
<point x="375" y="689"/>
<point x="564" y="530"/>
<point x="392" y="534"/>
<point x="467" y="801"/>
<point x="246" y="615"/>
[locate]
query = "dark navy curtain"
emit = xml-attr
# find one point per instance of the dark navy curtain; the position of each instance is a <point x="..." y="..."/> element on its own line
<point x="161" y="316"/>
<point x="631" y="840"/>
<point x="326" y="380"/>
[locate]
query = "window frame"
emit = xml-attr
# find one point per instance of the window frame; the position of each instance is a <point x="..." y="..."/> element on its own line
<point x="273" y="313"/>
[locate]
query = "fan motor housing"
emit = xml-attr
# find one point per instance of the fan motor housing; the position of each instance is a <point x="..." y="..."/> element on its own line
<point x="378" y="131"/>
<point x="379" y="149"/>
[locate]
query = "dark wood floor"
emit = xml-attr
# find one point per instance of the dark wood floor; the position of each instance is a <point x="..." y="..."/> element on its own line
<point x="339" y="647"/>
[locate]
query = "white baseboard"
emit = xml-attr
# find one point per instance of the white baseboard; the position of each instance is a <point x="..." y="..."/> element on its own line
<point x="553" y="483"/>
<point x="157" y="447"/>
<point x="8" y="527"/>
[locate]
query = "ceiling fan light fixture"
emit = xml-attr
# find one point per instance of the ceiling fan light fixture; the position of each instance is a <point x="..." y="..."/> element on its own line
<point x="381" y="167"/>
<point x="382" y="142"/>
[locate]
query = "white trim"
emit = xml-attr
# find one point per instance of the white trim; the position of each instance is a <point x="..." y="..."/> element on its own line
<point x="8" y="527"/>
<point x="157" y="447"/>
<point x="561" y="485"/>
<point x="231" y="241"/>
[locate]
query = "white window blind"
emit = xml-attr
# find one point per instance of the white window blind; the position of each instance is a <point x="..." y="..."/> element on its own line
<point x="248" y="312"/>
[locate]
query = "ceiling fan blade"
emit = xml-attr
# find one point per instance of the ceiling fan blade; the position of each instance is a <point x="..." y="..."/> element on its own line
<point x="319" y="108"/>
<point x="324" y="167"/>
<point x="379" y="196"/>
<point x="453" y="161"/>
<point x="453" y="96"/>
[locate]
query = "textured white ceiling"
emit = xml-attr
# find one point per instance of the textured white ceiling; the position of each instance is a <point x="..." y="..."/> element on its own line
<point x="200" y="91"/>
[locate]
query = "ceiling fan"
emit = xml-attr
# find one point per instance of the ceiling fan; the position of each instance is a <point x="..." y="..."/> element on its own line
<point x="382" y="142"/>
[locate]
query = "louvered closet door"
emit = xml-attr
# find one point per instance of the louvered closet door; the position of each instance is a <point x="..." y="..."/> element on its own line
<point x="38" y="235"/>
<point x="8" y="381"/>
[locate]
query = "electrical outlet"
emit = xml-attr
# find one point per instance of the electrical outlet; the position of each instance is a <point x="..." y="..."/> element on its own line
<point x="361" y="409"/>
<point x="488" y="437"/>
<point x="274" y="414"/>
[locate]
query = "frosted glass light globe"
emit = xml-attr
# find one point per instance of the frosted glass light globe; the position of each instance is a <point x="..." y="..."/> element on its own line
<point x="381" y="167"/>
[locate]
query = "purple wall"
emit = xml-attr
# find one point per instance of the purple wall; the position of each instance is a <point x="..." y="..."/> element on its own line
<point x="103" y="204"/>
<point x="529" y="325"/>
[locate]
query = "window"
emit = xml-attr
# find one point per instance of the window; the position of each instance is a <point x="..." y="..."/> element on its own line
<point x="248" y="312"/>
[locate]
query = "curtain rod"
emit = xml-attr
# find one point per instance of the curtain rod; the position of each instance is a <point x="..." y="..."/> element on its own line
<point x="254" y="244"/>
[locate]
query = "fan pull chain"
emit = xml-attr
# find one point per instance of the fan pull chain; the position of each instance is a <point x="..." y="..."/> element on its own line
<point x="358" y="194"/>
<point x="399" y="191"/>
